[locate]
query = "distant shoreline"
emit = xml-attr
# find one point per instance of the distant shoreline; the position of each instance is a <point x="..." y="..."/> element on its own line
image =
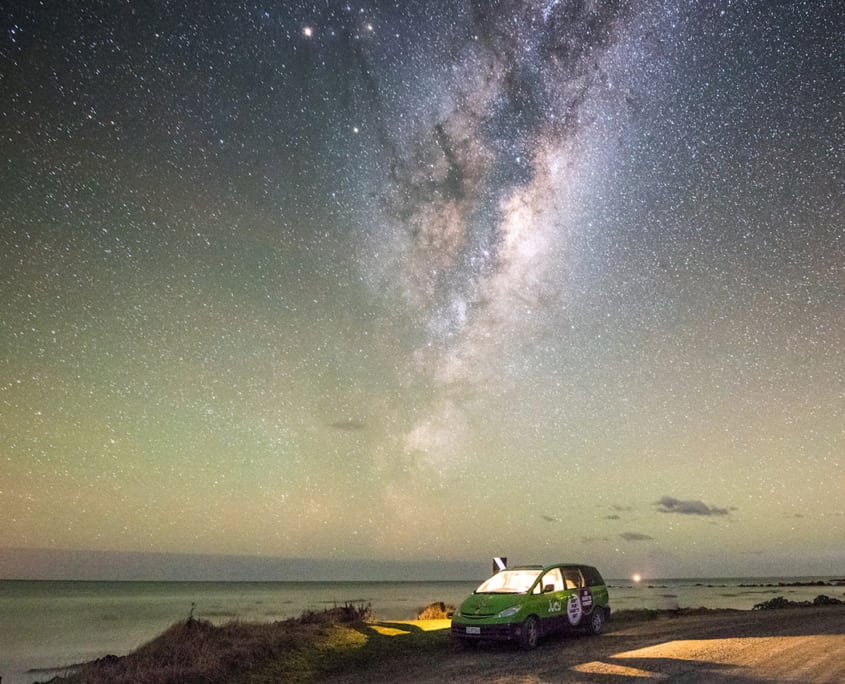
<point x="650" y="584"/>
<point x="145" y="566"/>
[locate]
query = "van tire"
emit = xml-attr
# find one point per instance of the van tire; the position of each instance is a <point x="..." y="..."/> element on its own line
<point x="596" y="621"/>
<point x="530" y="634"/>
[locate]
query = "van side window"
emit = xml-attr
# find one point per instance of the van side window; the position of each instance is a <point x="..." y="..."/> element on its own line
<point x="572" y="577"/>
<point x="552" y="577"/>
<point x="591" y="576"/>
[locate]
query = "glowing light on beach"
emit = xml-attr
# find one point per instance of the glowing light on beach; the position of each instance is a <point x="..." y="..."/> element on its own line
<point x="637" y="577"/>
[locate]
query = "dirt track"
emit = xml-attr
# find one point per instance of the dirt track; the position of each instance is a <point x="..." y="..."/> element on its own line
<point x="792" y="645"/>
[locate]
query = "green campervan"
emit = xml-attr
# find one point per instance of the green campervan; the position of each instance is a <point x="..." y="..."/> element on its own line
<point x="526" y="602"/>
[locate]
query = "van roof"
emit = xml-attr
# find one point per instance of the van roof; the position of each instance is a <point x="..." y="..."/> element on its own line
<point x="549" y="566"/>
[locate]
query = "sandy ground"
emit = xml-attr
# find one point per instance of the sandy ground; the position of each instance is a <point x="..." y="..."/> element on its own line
<point x="805" y="645"/>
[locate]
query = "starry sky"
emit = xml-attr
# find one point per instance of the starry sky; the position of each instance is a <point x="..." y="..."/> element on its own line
<point x="426" y="281"/>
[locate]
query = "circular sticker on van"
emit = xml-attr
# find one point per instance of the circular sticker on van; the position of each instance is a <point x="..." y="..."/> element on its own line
<point x="574" y="611"/>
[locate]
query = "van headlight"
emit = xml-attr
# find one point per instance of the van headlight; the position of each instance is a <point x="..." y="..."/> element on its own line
<point x="507" y="612"/>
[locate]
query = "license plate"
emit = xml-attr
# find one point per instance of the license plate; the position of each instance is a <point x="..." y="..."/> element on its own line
<point x="473" y="630"/>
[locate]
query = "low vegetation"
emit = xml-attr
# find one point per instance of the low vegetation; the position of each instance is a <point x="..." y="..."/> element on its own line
<point x="781" y="602"/>
<point x="436" y="611"/>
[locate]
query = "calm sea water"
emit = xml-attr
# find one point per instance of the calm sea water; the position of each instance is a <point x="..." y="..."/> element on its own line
<point x="48" y="624"/>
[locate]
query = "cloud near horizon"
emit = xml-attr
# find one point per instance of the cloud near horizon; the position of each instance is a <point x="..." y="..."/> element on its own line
<point x="668" y="504"/>
<point x="636" y="536"/>
<point x="349" y="425"/>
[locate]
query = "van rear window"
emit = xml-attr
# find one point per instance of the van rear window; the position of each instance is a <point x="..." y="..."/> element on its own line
<point x="591" y="576"/>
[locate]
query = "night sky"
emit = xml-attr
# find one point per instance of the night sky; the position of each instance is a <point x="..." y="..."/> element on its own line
<point x="426" y="281"/>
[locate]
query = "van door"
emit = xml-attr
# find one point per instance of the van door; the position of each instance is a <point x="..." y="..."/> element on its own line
<point x="575" y="608"/>
<point x="554" y="600"/>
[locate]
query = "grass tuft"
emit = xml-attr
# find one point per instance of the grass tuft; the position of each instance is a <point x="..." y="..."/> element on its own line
<point x="436" y="611"/>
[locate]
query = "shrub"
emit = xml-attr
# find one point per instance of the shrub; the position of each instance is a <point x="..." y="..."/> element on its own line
<point x="781" y="602"/>
<point x="436" y="611"/>
<point x="347" y="614"/>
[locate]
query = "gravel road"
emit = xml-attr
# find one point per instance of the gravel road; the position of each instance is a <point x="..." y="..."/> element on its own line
<point x="804" y="645"/>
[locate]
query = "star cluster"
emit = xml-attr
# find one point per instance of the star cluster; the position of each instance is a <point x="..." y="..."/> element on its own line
<point x="425" y="279"/>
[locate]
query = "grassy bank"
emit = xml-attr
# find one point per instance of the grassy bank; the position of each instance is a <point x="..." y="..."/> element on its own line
<point x="303" y="649"/>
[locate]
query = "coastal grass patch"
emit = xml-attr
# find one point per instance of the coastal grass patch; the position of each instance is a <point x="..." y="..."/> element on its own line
<point x="315" y="654"/>
<point x="362" y="648"/>
<point x="350" y="648"/>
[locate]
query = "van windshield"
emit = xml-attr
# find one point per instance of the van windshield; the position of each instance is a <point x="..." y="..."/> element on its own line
<point x="509" y="582"/>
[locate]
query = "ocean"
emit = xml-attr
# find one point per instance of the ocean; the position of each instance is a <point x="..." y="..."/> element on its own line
<point x="45" y="625"/>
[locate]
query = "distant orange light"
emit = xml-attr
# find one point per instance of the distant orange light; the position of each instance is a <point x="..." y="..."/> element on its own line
<point x="637" y="577"/>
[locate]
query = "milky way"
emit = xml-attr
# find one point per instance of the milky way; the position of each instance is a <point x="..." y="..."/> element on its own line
<point x="425" y="280"/>
<point x="481" y="194"/>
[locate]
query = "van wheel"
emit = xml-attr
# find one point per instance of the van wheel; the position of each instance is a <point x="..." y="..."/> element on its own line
<point x="596" y="624"/>
<point x="530" y="633"/>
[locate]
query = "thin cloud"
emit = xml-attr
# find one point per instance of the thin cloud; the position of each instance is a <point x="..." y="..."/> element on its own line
<point x="616" y="509"/>
<point x="349" y="425"/>
<point x="635" y="536"/>
<point x="669" y="504"/>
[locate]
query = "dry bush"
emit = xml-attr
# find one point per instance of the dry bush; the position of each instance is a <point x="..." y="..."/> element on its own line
<point x="436" y="611"/>
<point x="347" y="614"/>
